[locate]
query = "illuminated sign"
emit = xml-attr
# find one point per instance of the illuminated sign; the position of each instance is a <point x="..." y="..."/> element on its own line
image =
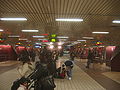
<point x="53" y="38"/>
<point x="53" y="35"/>
<point x="99" y="43"/>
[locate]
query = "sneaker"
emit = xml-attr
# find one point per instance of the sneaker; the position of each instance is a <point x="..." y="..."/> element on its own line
<point x="69" y="78"/>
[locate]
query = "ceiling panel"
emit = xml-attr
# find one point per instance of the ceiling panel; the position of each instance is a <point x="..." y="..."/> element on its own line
<point x="41" y="14"/>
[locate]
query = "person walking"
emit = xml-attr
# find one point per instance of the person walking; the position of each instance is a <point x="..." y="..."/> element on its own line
<point x="69" y="67"/>
<point x="90" y="58"/>
<point x="72" y="55"/>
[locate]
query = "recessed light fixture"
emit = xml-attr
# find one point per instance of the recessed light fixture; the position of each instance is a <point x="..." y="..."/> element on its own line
<point x="1" y="30"/>
<point x="38" y="36"/>
<point x="30" y="30"/>
<point x="68" y="19"/>
<point x="116" y="21"/>
<point x="13" y="19"/>
<point x="100" y="32"/>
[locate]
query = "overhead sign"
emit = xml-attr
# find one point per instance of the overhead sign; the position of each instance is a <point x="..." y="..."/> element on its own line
<point x="53" y="38"/>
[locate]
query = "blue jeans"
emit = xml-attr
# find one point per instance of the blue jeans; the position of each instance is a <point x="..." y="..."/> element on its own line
<point x="69" y="71"/>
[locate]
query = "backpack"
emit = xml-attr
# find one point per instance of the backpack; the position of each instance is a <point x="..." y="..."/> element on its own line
<point x="68" y="63"/>
<point x="16" y="84"/>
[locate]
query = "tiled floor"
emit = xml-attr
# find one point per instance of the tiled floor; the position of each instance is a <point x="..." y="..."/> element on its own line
<point x="7" y="78"/>
<point x="80" y="81"/>
<point x="113" y="75"/>
<point x="96" y="72"/>
<point x="8" y="65"/>
<point x="83" y="79"/>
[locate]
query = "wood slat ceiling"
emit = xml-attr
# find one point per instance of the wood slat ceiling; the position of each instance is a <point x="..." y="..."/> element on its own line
<point x="41" y="14"/>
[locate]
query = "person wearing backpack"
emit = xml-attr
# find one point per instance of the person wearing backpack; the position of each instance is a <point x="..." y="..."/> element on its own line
<point x="69" y="67"/>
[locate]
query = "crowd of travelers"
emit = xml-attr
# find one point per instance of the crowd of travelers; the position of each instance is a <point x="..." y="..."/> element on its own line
<point x="38" y="68"/>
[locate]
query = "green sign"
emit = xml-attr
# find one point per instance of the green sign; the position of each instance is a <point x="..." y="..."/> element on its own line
<point x="53" y="35"/>
<point x="53" y="40"/>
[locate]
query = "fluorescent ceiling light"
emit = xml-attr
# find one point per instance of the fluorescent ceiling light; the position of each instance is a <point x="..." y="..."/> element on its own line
<point x="38" y="36"/>
<point x="116" y="21"/>
<point x="30" y="31"/>
<point x="81" y="40"/>
<point x="71" y="20"/>
<point x="100" y="32"/>
<point x="23" y="39"/>
<point x="13" y="19"/>
<point x="62" y="37"/>
<point x="14" y="36"/>
<point x="88" y="37"/>
<point x="42" y="39"/>
<point x="1" y="30"/>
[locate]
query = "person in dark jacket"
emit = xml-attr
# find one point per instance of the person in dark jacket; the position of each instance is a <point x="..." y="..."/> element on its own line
<point x="90" y="58"/>
<point x="72" y="55"/>
<point x="43" y="75"/>
<point x="24" y="56"/>
<point x="32" y="54"/>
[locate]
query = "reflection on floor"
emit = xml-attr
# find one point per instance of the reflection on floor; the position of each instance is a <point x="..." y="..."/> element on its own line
<point x="94" y="78"/>
<point x="113" y="75"/>
<point x="101" y="67"/>
<point x="95" y="71"/>
<point x="80" y="81"/>
<point x="8" y="65"/>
